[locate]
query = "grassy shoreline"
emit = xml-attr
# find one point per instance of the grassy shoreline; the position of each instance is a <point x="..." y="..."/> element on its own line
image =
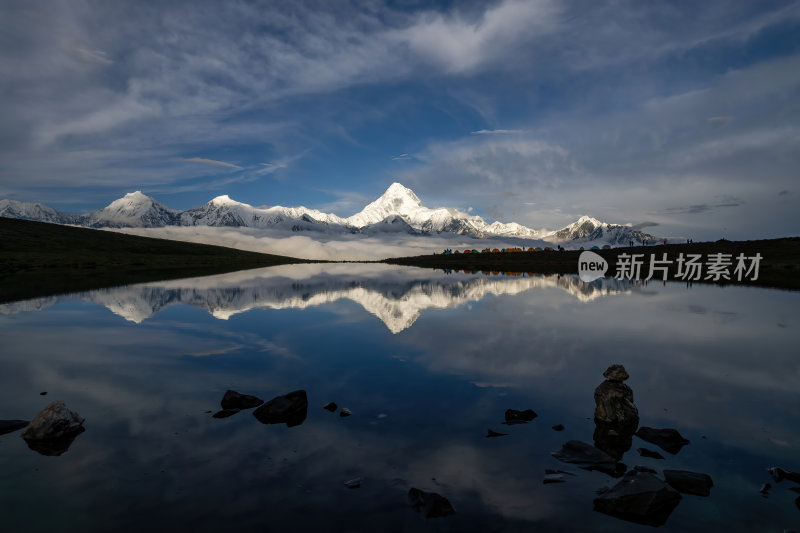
<point x="39" y="259"/>
<point x="779" y="266"/>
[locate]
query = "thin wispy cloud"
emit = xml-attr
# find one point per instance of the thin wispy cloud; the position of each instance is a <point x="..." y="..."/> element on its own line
<point x="205" y="162"/>
<point x="494" y="132"/>
<point x="401" y="157"/>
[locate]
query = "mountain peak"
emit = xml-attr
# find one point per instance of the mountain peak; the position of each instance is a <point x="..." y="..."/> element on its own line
<point x="586" y="218"/>
<point x="397" y="191"/>
<point x="223" y="200"/>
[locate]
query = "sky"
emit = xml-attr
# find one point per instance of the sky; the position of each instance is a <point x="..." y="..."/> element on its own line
<point x="681" y="118"/>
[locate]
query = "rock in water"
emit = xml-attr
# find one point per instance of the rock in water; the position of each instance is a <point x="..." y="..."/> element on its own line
<point x="491" y="433"/>
<point x="639" y="497"/>
<point x="577" y="452"/>
<point x="7" y="426"/>
<point x="429" y="504"/>
<point x="290" y="409"/>
<point x="667" y="439"/>
<point x="614" y="400"/>
<point x="225" y="413"/>
<point x="344" y="411"/>
<point x="353" y="483"/>
<point x="779" y="474"/>
<point x="644" y="452"/>
<point x="330" y="406"/>
<point x="53" y="429"/>
<point x="52" y="422"/>
<point x="689" y="482"/>
<point x="235" y="400"/>
<point x="616" y="373"/>
<point x="514" y="416"/>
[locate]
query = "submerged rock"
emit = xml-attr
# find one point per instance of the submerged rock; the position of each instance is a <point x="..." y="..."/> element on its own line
<point x="53" y="429"/>
<point x="667" y="439"/>
<point x="639" y="497"/>
<point x="644" y="452"/>
<point x="353" y="483"/>
<point x="235" y="400"/>
<point x="689" y="482"/>
<point x="555" y="476"/>
<point x="558" y="427"/>
<point x="7" y="426"/>
<point x="290" y="409"/>
<point x="779" y="474"/>
<point x="578" y="452"/>
<point x="514" y="416"/>
<point x="765" y="488"/>
<point x="429" y="504"/>
<point x="330" y="406"/>
<point x="492" y="433"/>
<point x="615" y="470"/>
<point x="225" y="413"/>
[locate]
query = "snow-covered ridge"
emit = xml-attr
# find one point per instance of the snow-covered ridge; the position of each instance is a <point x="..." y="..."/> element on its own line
<point x="396" y="295"/>
<point x="398" y="210"/>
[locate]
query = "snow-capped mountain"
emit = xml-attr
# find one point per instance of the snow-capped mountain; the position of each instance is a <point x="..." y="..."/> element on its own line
<point x="132" y="210"/>
<point x="401" y="201"/>
<point x="34" y="211"/>
<point x="398" y="210"/>
<point x="224" y="211"/>
<point x="588" y="229"/>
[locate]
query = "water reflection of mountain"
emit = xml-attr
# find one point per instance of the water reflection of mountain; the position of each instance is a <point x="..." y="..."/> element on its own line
<point x="396" y="295"/>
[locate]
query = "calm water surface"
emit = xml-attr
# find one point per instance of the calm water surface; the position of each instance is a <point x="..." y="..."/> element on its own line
<point x="427" y="362"/>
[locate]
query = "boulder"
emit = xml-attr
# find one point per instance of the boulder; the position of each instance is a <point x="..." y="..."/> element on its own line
<point x="519" y="417"/>
<point x="667" y="439"/>
<point x="52" y="422"/>
<point x="235" y="400"/>
<point x="344" y="411"/>
<point x="689" y="482"/>
<point x="7" y="426"/>
<point x="639" y="497"/>
<point x="290" y="409"/>
<point x="614" y="405"/>
<point x="429" y="504"/>
<point x="330" y="406"/>
<point x="53" y="429"/>
<point x="616" y="373"/>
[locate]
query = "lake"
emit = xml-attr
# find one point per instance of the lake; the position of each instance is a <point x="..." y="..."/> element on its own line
<point x="427" y="362"/>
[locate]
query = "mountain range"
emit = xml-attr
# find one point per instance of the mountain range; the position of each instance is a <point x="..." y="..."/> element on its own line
<point x="398" y="210"/>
